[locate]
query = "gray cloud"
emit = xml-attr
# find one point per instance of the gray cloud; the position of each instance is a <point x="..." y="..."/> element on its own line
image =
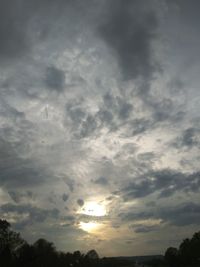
<point x="17" y="197"/>
<point x="189" y="138"/>
<point x="55" y="79"/>
<point x="33" y="214"/>
<point x="65" y="197"/>
<point x="125" y="110"/>
<point x="180" y="215"/>
<point x="23" y="25"/>
<point x="145" y="228"/>
<point x="70" y="119"/>
<point x="17" y="171"/>
<point x="101" y="181"/>
<point x="14" y="40"/>
<point x="88" y="218"/>
<point x="165" y="182"/>
<point x="129" y="30"/>
<point x="184" y="214"/>
<point x="112" y="113"/>
<point x="88" y="126"/>
<point x="70" y="183"/>
<point x="139" y="126"/>
<point x="80" y="202"/>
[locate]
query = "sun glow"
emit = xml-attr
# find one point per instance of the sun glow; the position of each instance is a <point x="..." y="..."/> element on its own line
<point x="90" y="227"/>
<point x="94" y="213"/>
<point x="93" y="209"/>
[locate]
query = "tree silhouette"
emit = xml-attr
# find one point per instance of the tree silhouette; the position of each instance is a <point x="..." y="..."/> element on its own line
<point x="10" y="242"/>
<point x="15" y="252"/>
<point x="171" y="256"/>
<point x="188" y="253"/>
<point x="92" y="254"/>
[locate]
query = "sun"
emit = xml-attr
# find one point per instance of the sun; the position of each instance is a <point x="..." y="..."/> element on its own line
<point x="94" y="209"/>
<point x="94" y="213"/>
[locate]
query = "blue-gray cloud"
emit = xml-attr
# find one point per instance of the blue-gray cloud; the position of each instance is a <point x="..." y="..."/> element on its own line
<point x="180" y="215"/>
<point x="55" y="79"/>
<point x="129" y="30"/>
<point x="33" y="214"/>
<point x="164" y="182"/>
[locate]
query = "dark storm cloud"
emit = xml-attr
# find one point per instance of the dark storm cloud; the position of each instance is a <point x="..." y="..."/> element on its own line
<point x="180" y="215"/>
<point x="129" y="30"/>
<point x="55" y="79"/>
<point x="165" y="182"/>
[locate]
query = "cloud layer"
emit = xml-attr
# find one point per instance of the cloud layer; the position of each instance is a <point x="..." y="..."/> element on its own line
<point x="99" y="103"/>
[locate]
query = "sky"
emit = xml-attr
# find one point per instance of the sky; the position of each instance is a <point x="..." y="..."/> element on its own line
<point x="99" y="123"/>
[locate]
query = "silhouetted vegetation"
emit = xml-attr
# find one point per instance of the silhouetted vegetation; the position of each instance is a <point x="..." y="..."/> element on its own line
<point x="15" y="252"/>
<point x="187" y="255"/>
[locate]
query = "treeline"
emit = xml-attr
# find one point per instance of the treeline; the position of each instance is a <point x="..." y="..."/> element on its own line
<point x="16" y="252"/>
<point x="187" y="255"/>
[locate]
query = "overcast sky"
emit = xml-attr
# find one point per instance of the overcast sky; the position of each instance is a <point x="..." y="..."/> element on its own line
<point x="100" y="122"/>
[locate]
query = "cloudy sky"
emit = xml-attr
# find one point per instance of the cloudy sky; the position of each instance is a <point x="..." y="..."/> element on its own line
<point x="99" y="122"/>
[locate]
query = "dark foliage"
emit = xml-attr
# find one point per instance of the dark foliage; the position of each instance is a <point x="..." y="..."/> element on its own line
<point x="16" y="252"/>
<point x="187" y="255"/>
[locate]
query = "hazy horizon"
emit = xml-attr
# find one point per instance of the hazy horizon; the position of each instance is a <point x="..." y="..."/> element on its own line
<point x="100" y="123"/>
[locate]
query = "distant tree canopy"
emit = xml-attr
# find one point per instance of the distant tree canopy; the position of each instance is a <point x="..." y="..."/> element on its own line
<point x="14" y="252"/>
<point x="92" y="254"/>
<point x="188" y="253"/>
<point x="9" y="238"/>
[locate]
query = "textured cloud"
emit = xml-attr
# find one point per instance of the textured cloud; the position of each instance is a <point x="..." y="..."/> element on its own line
<point x="17" y="171"/>
<point x="145" y="229"/>
<point x="99" y="103"/>
<point x="129" y="30"/>
<point x="165" y="182"/>
<point x="31" y="214"/>
<point x="12" y="30"/>
<point x="65" y="197"/>
<point x="101" y="181"/>
<point x="55" y="79"/>
<point x="189" y="138"/>
<point x="80" y="202"/>
<point x="181" y="215"/>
